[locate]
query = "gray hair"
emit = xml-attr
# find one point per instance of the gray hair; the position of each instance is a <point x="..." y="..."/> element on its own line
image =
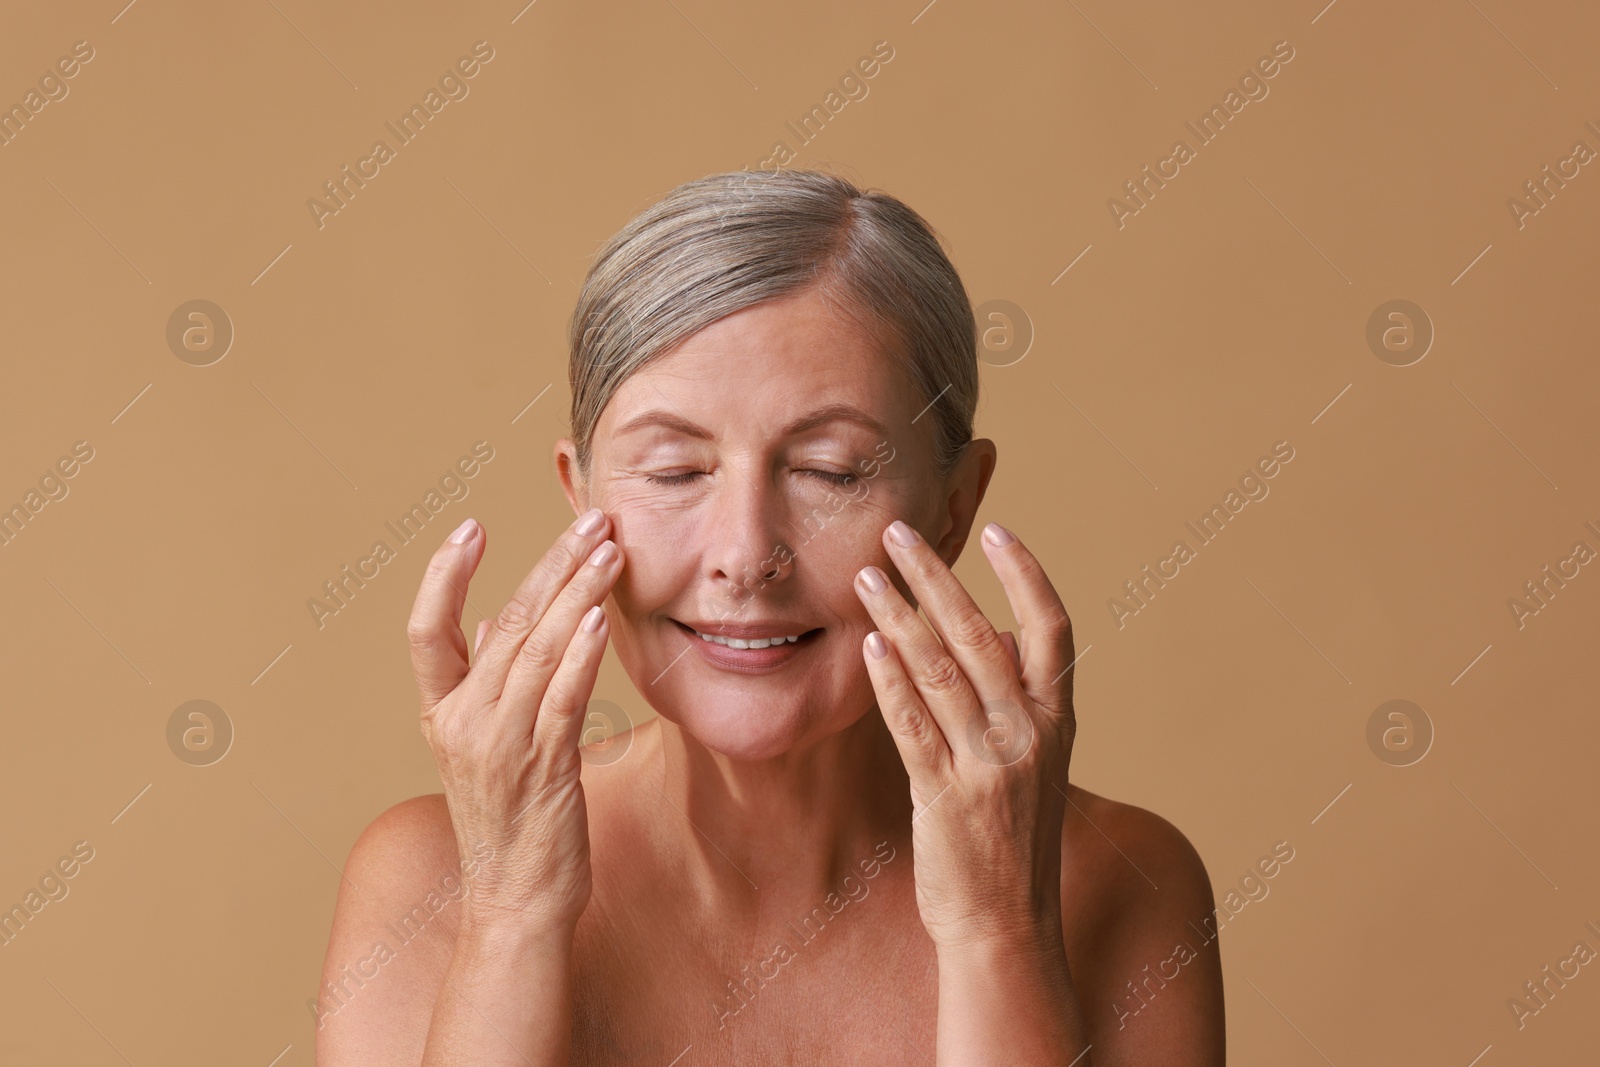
<point x="723" y="243"/>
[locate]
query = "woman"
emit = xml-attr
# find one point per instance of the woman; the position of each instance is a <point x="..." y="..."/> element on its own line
<point x="848" y="836"/>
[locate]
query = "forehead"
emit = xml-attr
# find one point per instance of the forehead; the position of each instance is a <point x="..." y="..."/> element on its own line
<point x="757" y="370"/>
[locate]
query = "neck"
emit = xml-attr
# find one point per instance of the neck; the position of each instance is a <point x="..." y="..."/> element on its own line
<point x="784" y="832"/>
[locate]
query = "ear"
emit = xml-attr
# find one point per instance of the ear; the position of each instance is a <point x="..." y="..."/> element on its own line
<point x="566" y="457"/>
<point x="963" y="492"/>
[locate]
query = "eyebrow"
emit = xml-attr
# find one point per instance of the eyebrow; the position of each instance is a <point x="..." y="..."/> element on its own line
<point x="838" y="412"/>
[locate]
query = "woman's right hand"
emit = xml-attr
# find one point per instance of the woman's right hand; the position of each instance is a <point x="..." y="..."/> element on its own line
<point x="505" y="731"/>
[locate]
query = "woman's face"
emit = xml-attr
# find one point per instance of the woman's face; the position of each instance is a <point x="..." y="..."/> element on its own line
<point x="749" y="475"/>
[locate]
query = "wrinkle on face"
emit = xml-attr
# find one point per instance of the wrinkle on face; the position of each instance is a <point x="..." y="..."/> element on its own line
<point x="698" y="550"/>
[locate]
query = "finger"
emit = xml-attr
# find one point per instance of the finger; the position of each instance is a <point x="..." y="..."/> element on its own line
<point x="438" y="648"/>
<point x="967" y="634"/>
<point x="566" y="700"/>
<point x="939" y="681"/>
<point x="1008" y="639"/>
<point x="483" y="627"/>
<point x="534" y="596"/>
<point x="1047" y="644"/>
<point x="923" y="746"/>
<point x="530" y="674"/>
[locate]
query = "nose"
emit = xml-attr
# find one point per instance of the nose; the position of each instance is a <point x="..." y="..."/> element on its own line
<point x="746" y="528"/>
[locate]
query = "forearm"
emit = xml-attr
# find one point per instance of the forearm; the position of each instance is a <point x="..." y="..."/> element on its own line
<point x="506" y="1000"/>
<point x="1009" y="1001"/>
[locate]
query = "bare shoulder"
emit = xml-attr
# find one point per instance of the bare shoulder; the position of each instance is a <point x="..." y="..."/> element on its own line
<point x="1120" y="845"/>
<point x="410" y="835"/>
<point x="1138" y="908"/>
<point x="394" y="929"/>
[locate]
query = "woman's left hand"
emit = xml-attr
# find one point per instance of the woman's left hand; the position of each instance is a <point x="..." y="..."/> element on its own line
<point x="986" y="732"/>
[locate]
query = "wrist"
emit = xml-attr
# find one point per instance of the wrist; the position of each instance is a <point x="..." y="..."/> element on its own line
<point x="1013" y="991"/>
<point x="1035" y="921"/>
<point x="514" y="937"/>
<point x="1028" y="945"/>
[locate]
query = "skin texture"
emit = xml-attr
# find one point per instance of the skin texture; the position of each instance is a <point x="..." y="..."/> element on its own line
<point x="843" y="860"/>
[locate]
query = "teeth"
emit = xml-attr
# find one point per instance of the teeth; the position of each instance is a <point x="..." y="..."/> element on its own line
<point x="736" y="642"/>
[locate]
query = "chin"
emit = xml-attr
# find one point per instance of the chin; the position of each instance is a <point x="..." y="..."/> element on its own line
<point x="753" y="703"/>
<point x="732" y="728"/>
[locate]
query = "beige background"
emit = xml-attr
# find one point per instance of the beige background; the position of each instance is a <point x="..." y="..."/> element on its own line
<point x="1227" y="315"/>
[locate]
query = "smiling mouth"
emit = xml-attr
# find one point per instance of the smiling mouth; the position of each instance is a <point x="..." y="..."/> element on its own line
<point x="752" y="643"/>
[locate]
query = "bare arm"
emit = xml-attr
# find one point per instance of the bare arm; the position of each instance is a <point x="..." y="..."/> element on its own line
<point x="507" y="999"/>
<point x="1011" y="999"/>
<point x="1151" y="988"/>
<point x="986" y="727"/>
<point x="492" y="983"/>
<point x="409" y="980"/>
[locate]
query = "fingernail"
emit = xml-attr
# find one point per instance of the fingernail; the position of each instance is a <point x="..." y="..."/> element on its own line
<point x="592" y="621"/>
<point x="604" y="554"/>
<point x="873" y="579"/>
<point x="902" y="535"/>
<point x="997" y="535"/>
<point x="591" y="521"/>
<point x="464" y="532"/>
<point x="877" y="647"/>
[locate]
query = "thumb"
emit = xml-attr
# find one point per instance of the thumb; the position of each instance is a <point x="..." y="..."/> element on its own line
<point x="438" y="648"/>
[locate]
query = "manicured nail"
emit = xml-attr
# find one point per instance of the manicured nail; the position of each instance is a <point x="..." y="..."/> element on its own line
<point x="591" y="521"/>
<point x="873" y="579"/>
<point x="877" y="647"/>
<point x="997" y="535"/>
<point x="604" y="554"/>
<point x="903" y="535"/>
<point x="464" y="532"/>
<point x="592" y="621"/>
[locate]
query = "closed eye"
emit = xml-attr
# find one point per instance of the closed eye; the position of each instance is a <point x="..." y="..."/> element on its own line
<point x="832" y="477"/>
<point x="671" y="479"/>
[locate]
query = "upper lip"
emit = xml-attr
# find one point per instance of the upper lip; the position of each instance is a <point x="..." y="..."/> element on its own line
<point x="747" y="631"/>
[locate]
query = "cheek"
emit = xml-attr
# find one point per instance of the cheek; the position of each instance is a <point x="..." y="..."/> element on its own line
<point x="829" y="555"/>
<point x="835" y="527"/>
<point x="656" y="543"/>
<point x="852" y="538"/>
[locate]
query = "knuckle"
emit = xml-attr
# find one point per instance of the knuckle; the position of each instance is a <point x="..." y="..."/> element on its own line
<point x="560" y="698"/>
<point x="971" y="629"/>
<point x="426" y="643"/>
<point x="940" y="675"/>
<point x="516" y="616"/>
<point x="917" y="727"/>
<point x="926" y="564"/>
<point x="1055" y="626"/>
<point x="539" y="653"/>
<point x="422" y="636"/>
<point x="569" y="549"/>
